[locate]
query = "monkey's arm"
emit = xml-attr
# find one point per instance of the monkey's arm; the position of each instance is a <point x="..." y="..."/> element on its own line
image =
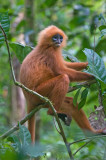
<point x="76" y="65"/>
<point x="77" y="76"/>
<point x="74" y="76"/>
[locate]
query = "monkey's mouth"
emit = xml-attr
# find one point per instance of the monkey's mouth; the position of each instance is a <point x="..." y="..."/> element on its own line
<point x="57" y="44"/>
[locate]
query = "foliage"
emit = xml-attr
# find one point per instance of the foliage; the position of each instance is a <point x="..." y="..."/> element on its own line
<point x="5" y="23"/>
<point x="19" y="48"/>
<point x="19" y="146"/>
<point x="96" y="65"/>
<point x="80" y="18"/>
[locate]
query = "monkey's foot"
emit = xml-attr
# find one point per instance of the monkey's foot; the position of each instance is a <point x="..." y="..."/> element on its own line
<point x="101" y="131"/>
<point x="66" y="119"/>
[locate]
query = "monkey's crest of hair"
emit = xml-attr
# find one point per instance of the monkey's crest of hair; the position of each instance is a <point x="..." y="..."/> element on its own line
<point x="45" y="36"/>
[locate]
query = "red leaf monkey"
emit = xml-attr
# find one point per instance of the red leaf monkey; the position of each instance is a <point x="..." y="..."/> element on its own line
<point x="45" y="71"/>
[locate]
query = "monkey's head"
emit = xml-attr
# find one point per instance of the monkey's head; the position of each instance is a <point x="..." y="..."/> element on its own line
<point x="52" y="37"/>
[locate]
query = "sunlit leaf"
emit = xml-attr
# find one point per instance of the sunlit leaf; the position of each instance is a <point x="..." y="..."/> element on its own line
<point x="76" y="97"/>
<point x="96" y="65"/>
<point x="102" y="27"/>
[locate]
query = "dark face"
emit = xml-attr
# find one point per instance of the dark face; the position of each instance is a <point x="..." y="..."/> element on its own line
<point x="57" y="40"/>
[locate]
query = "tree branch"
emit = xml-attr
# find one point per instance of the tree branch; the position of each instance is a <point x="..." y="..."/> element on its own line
<point x="87" y="138"/>
<point x="100" y="98"/>
<point x="46" y="100"/>
<point x="16" y="127"/>
<point x="85" y="84"/>
<point x="82" y="147"/>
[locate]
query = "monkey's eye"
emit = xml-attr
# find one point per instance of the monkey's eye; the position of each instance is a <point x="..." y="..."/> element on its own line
<point x="61" y="38"/>
<point x="57" y="38"/>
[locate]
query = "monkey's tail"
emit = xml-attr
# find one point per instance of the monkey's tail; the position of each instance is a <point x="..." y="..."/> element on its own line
<point x="31" y="126"/>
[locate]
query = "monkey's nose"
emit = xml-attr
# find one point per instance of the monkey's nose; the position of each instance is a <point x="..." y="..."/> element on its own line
<point x="58" y="43"/>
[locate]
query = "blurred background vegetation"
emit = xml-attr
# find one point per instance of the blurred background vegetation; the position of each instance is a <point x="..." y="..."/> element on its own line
<point x="80" y="20"/>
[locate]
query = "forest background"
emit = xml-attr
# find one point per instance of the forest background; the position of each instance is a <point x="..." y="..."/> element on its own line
<point x="85" y="25"/>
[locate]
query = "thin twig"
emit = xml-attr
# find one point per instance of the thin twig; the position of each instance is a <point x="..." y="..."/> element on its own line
<point x="85" y="84"/>
<point x="46" y="100"/>
<point x="82" y="147"/>
<point x="91" y="139"/>
<point x="84" y="139"/>
<point x="56" y="126"/>
<point x="94" y="36"/>
<point x="12" y="70"/>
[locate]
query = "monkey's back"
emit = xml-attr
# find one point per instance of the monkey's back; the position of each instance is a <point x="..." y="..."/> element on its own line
<point x="34" y="71"/>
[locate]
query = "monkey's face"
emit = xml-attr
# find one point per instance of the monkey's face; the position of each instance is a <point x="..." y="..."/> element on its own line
<point x="57" y="39"/>
<point x="52" y="37"/>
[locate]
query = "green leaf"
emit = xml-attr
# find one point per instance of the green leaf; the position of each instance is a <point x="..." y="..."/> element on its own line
<point x="81" y="103"/>
<point x="103" y="33"/>
<point x="96" y="65"/>
<point x="35" y="150"/>
<point x="5" y="23"/>
<point x="76" y="97"/>
<point x="102" y="27"/>
<point x="84" y="93"/>
<point x="101" y="17"/>
<point x="50" y="3"/>
<point x="24" y="135"/>
<point x="16" y="144"/>
<point x="20" y="50"/>
<point x="83" y="98"/>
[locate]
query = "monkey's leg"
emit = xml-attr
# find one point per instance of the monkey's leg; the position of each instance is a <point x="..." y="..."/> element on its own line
<point x="55" y="89"/>
<point x="78" y="115"/>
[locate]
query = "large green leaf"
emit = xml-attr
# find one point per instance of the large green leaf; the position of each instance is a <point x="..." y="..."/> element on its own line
<point x="96" y="65"/>
<point x="20" y="50"/>
<point x="5" y="23"/>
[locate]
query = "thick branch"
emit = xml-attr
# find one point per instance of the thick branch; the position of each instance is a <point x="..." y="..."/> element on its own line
<point x="28" y="116"/>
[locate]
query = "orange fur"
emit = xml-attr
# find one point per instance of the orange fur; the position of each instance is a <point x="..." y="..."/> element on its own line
<point x="45" y="71"/>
